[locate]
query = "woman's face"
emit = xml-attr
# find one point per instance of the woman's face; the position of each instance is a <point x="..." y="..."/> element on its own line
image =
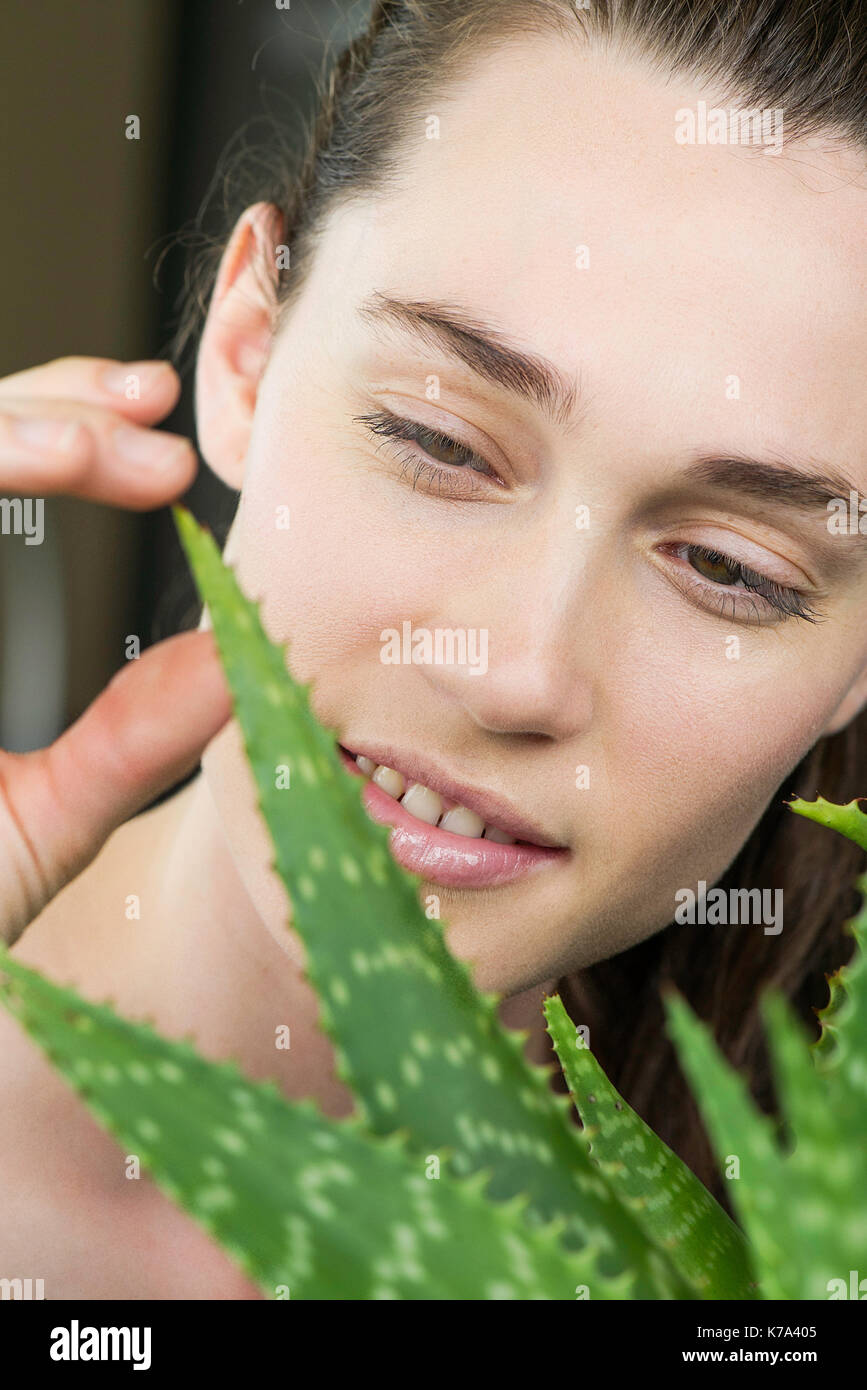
<point x="716" y="312"/>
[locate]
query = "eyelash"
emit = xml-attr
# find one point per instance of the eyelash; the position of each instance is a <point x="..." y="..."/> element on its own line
<point x="787" y="602"/>
<point x="384" y="424"/>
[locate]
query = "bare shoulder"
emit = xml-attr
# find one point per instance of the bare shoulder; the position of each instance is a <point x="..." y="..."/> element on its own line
<point x="73" y="1216"/>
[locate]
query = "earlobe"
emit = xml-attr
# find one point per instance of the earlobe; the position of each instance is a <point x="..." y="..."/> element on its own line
<point x="235" y="341"/>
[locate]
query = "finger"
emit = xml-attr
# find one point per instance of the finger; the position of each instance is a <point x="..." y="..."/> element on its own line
<point x="142" y="391"/>
<point x="49" y="446"/>
<point x="145" y="732"/>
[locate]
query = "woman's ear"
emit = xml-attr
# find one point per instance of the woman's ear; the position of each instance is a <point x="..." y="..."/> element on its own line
<point x="852" y="704"/>
<point x="235" y="341"/>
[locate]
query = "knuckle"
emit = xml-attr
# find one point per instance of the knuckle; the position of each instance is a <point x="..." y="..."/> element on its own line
<point x="75" y="362"/>
<point x="75" y="463"/>
<point x="26" y="425"/>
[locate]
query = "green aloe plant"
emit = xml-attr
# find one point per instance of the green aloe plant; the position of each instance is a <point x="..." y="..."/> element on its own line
<point x="460" y="1174"/>
<point x="801" y="1191"/>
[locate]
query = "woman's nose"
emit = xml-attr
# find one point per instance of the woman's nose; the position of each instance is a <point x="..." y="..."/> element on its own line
<point x="541" y="643"/>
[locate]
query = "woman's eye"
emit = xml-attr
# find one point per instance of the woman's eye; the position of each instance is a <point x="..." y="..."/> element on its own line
<point x="719" y="570"/>
<point x="738" y="592"/>
<point x="447" y="459"/>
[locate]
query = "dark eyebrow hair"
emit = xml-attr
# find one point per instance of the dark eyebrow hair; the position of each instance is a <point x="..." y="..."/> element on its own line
<point x="483" y="349"/>
<point x="786" y="485"/>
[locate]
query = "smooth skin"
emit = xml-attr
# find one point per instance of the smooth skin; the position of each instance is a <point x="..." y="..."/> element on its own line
<point x="606" y="650"/>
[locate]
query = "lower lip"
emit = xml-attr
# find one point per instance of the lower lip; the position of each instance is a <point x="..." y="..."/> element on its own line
<point x="453" y="861"/>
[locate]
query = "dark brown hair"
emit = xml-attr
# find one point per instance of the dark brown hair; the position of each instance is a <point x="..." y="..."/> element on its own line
<point x="807" y="57"/>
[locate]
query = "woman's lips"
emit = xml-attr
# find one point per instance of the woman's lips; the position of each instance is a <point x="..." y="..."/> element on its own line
<point x="452" y="861"/>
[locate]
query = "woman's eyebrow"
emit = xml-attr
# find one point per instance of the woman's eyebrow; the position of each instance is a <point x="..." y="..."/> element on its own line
<point x="487" y="352"/>
<point x="789" y="484"/>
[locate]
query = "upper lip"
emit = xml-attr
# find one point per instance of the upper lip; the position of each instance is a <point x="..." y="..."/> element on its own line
<point x="491" y="807"/>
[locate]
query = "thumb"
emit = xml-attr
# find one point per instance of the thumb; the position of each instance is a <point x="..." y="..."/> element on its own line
<point x="145" y="732"/>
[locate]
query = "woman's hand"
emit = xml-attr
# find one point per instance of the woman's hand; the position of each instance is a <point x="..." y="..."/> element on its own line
<point x="81" y="425"/>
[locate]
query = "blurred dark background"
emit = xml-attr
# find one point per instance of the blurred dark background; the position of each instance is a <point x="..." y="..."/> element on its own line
<point x="94" y="239"/>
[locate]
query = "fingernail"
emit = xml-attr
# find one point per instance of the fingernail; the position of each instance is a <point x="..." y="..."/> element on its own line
<point x="59" y="435"/>
<point x="134" y="379"/>
<point x="148" y="447"/>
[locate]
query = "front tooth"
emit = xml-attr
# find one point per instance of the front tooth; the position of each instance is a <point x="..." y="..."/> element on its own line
<point x="422" y="803"/>
<point x="498" y="836"/>
<point x="460" y="821"/>
<point x="367" y="765"/>
<point x="390" y="781"/>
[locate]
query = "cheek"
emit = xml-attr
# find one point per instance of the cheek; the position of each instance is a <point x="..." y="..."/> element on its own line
<point x="704" y="743"/>
<point x="689" y="752"/>
<point x="355" y="558"/>
<point x="323" y="580"/>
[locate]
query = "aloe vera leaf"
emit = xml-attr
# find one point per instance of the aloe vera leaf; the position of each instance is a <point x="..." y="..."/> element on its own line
<point x="842" y="1046"/>
<point x="667" y="1198"/>
<point x="799" y="1193"/>
<point x="848" y="820"/>
<point x="744" y="1140"/>
<point x="825" y="1161"/>
<point x="799" y="1196"/>
<point x="825" y="1045"/>
<point x="307" y="1207"/>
